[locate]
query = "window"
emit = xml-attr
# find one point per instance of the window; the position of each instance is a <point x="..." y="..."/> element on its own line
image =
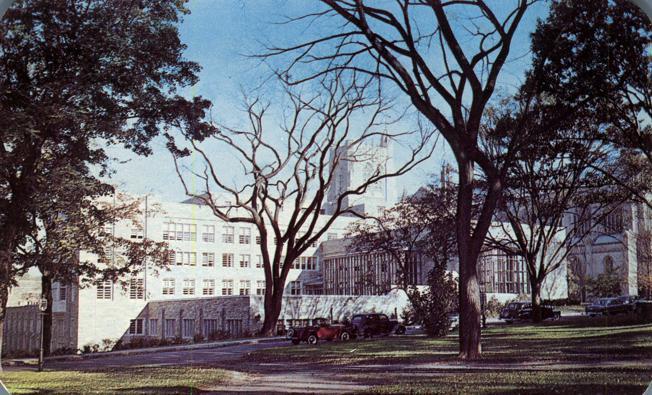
<point x="172" y="258"/>
<point x="227" y="235"/>
<point x="244" y="260"/>
<point x="188" y="327"/>
<point x="208" y="287"/>
<point x="245" y="286"/>
<point x="608" y="264"/>
<point x="208" y="259"/>
<point x="210" y="327"/>
<point x="208" y="233"/>
<point x="136" y="288"/>
<point x="258" y="239"/>
<point x="227" y="287"/>
<point x="170" y="327"/>
<point x="331" y="236"/>
<point x="189" y="232"/>
<point x="613" y="222"/>
<point x="295" y="287"/>
<point x="188" y="287"/>
<point x="180" y="232"/>
<point x="306" y="263"/>
<point x="502" y="273"/>
<point x="62" y="292"/>
<point x="190" y="258"/>
<point x="260" y="287"/>
<point x="153" y="327"/>
<point x="245" y="236"/>
<point x="168" y="286"/>
<point x="259" y="261"/>
<point x="227" y="260"/>
<point x="104" y="290"/>
<point x="136" y="232"/>
<point x="234" y="327"/>
<point x="136" y="327"/>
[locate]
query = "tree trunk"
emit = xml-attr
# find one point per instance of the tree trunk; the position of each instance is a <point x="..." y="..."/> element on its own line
<point x="469" y="297"/>
<point x="46" y="292"/>
<point x="2" y="323"/>
<point x="5" y="265"/>
<point x="536" y="300"/>
<point x="273" y="302"/>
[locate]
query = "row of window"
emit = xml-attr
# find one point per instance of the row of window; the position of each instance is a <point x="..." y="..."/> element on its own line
<point x="208" y="287"/>
<point x="187" y="330"/>
<point x="181" y="258"/>
<point x="188" y="232"/>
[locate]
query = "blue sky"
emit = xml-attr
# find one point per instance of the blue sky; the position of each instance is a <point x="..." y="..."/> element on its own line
<point x="218" y="35"/>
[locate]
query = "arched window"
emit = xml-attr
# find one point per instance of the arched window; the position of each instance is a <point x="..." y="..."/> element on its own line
<point x="608" y="264"/>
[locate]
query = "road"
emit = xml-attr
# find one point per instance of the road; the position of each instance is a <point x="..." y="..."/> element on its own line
<point x="211" y="356"/>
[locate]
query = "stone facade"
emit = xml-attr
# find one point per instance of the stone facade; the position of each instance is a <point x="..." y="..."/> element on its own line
<point x="620" y="242"/>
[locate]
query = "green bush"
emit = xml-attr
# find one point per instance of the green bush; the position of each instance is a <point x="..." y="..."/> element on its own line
<point x="431" y="307"/>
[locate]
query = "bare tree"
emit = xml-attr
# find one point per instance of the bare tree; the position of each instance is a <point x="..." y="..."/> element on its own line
<point x="286" y="172"/>
<point x="550" y="184"/>
<point x="445" y="56"/>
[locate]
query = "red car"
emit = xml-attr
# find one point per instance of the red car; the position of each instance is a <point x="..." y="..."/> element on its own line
<point x="322" y="330"/>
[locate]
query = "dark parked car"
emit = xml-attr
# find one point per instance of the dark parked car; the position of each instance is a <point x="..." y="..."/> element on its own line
<point x="606" y="306"/>
<point x="523" y="311"/>
<point x="322" y="330"/>
<point x="369" y="325"/>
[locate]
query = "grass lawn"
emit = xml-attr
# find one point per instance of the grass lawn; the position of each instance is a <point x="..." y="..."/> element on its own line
<point x="151" y="380"/>
<point x="550" y="352"/>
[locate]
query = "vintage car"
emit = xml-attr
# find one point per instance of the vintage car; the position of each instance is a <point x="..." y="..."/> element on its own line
<point x="372" y="324"/>
<point x="608" y="306"/>
<point x="523" y="311"/>
<point x="322" y="330"/>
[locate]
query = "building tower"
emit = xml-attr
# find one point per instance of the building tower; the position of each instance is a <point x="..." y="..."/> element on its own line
<point x="354" y="165"/>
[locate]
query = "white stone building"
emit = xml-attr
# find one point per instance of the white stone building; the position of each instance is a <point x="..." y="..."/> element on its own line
<point x="620" y="242"/>
<point x="356" y="164"/>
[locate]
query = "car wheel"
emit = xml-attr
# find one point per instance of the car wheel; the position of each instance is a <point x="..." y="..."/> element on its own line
<point x="295" y="341"/>
<point x="400" y="330"/>
<point x="556" y="316"/>
<point x="289" y="333"/>
<point x="345" y="336"/>
<point x="312" y="339"/>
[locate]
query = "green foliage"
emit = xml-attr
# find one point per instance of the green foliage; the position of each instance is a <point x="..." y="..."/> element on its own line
<point x="77" y="76"/>
<point x="605" y="284"/>
<point x="431" y="307"/>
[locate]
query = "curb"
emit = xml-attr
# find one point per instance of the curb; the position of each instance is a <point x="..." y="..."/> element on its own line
<point x="136" y="351"/>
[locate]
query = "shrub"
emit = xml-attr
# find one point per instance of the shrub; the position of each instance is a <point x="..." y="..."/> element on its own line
<point x="90" y="348"/>
<point x="432" y="306"/>
<point x="64" y="351"/>
<point x="198" y="338"/>
<point x="219" y="335"/>
<point x="604" y="285"/>
<point x="108" y="344"/>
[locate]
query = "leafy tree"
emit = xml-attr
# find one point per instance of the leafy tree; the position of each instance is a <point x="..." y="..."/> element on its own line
<point x="77" y="215"/>
<point x="596" y="55"/>
<point x="76" y="76"/>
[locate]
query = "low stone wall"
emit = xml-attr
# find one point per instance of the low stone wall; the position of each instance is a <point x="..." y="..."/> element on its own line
<point x="336" y="307"/>
<point x="202" y="317"/>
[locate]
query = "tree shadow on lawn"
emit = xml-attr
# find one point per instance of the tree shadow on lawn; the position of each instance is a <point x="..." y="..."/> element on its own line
<point x="579" y="381"/>
<point x="574" y="341"/>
